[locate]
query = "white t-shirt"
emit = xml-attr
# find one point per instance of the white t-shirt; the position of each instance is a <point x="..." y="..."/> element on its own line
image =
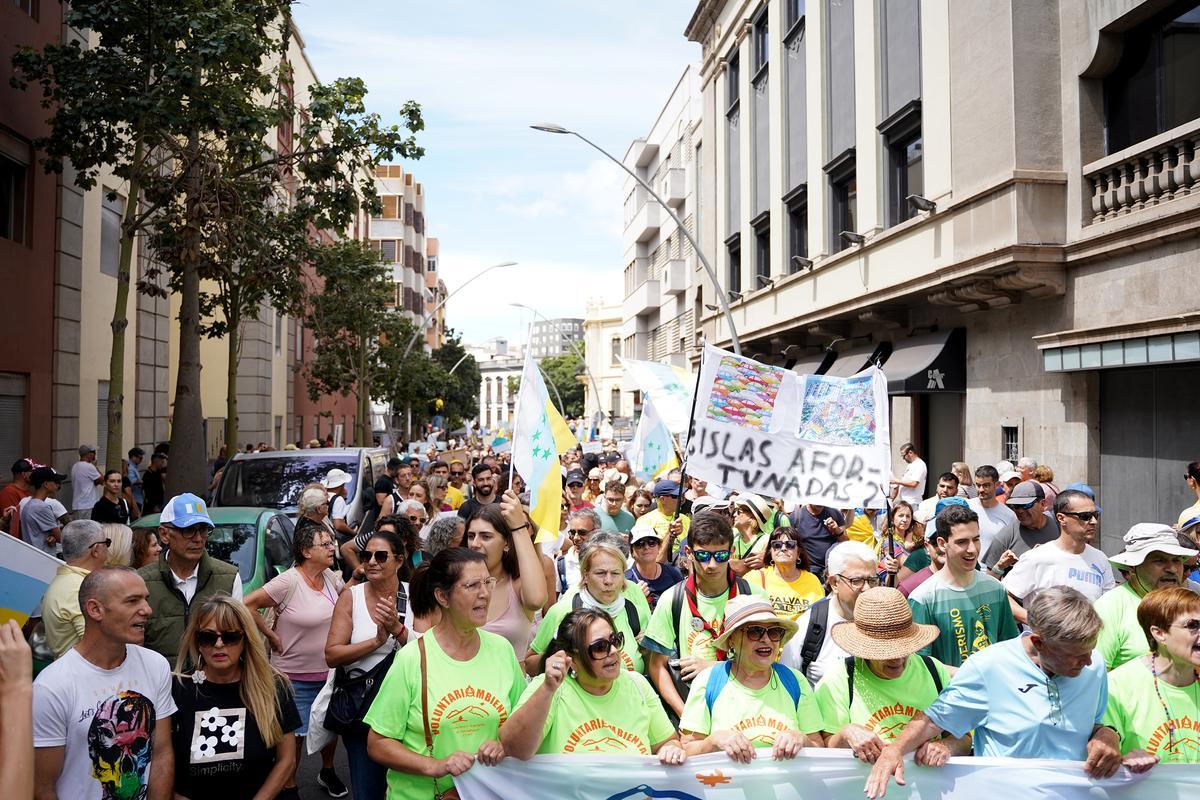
<point x="917" y="471"/>
<point x="105" y="719"/>
<point x="992" y="522"/>
<point x="1049" y="565"/>
<point x="338" y="508"/>
<point x="83" y="479"/>
<point x="830" y="656"/>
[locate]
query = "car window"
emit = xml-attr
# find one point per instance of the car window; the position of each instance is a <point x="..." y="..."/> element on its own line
<point x="277" y="549"/>
<point x="235" y="543"/>
<point x="277" y="482"/>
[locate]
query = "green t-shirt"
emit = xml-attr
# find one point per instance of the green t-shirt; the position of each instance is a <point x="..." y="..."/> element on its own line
<point x="631" y="654"/>
<point x="1136" y="713"/>
<point x="757" y="543"/>
<point x="881" y="706"/>
<point x="660" y="634"/>
<point x="468" y="701"/>
<point x="1121" y="639"/>
<point x="918" y="560"/>
<point x="969" y="618"/>
<point x="758" y="714"/>
<point x="629" y="719"/>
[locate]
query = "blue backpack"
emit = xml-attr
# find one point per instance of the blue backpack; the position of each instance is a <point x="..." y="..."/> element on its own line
<point x="719" y="676"/>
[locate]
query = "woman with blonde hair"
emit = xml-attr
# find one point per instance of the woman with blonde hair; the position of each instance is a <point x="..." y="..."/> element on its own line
<point x="120" y="552"/>
<point x="966" y="479"/>
<point x="233" y="734"/>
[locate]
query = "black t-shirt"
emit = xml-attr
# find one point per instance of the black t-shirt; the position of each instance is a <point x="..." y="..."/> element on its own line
<point x="152" y="491"/>
<point x="218" y="749"/>
<point x="668" y="577"/>
<point x="470" y="506"/>
<point x="106" y="510"/>
<point x="383" y="485"/>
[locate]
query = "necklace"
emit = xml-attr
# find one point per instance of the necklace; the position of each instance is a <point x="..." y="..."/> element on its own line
<point x="1163" y="702"/>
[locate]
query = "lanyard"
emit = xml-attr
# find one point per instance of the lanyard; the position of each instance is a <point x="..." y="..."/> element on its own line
<point x="689" y="591"/>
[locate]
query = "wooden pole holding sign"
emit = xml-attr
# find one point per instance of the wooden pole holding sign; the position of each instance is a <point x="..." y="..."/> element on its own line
<point x="664" y="555"/>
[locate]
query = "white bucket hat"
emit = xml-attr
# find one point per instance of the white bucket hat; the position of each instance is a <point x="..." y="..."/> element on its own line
<point x="1145" y="538"/>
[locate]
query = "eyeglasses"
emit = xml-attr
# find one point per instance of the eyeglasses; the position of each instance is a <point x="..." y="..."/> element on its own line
<point x="324" y="543"/>
<point x="197" y="530"/>
<point x="474" y="586"/>
<point x="454" y="474"/>
<point x="704" y="556"/>
<point x="755" y="633"/>
<point x="858" y="583"/>
<point x="574" y="485"/>
<point x="210" y="638"/>
<point x="1082" y="516"/>
<point x="784" y="544"/>
<point x="1192" y="626"/>
<point x="575" y="532"/>
<point x="105" y="542"/>
<point x="1056" y="709"/>
<point x="602" y="647"/>
<point x="380" y="556"/>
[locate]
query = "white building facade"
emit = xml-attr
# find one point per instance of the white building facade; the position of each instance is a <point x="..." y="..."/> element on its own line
<point x="610" y="397"/>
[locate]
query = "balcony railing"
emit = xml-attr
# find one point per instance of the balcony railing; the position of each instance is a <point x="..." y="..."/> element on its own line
<point x="1149" y="173"/>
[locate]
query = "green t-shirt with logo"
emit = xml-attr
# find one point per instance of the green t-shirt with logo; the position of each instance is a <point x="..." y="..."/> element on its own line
<point x="631" y="654"/>
<point x="629" y="719"/>
<point x="468" y="701"/>
<point x="1136" y="713"/>
<point x="660" y="634"/>
<point x="881" y="706"/>
<point x="1121" y="638"/>
<point x="758" y="714"/>
<point x="969" y="618"/>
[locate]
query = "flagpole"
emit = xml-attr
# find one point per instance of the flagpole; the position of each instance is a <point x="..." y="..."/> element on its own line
<point x="665" y="555"/>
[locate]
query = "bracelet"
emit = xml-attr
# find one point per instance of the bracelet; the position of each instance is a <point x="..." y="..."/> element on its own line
<point x="519" y="527"/>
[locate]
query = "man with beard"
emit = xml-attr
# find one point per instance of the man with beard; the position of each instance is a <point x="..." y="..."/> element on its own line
<point x="1152" y="559"/>
<point x="483" y="481"/>
<point x="102" y="712"/>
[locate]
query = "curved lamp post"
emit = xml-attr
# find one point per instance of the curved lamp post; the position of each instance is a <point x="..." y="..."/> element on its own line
<point x="575" y="347"/>
<point x="547" y="127"/>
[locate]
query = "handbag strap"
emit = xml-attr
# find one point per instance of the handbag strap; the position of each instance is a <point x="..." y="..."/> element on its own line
<point x="425" y="699"/>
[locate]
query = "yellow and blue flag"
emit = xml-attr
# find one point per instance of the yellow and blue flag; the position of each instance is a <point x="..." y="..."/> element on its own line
<point x="25" y="573"/>
<point x="652" y="451"/>
<point x="538" y="433"/>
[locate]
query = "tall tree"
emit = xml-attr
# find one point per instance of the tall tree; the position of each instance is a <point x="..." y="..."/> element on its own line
<point x="461" y="393"/>
<point x="565" y="372"/>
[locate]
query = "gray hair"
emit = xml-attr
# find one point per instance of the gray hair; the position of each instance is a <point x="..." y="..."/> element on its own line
<point x="588" y="514"/>
<point x="842" y="553"/>
<point x="436" y="482"/>
<point x="442" y="531"/>
<point x="78" y="537"/>
<point x="311" y="500"/>
<point x="609" y="539"/>
<point x="404" y="506"/>
<point x="1025" y="462"/>
<point x="1062" y="614"/>
<point x="98" y="583"/>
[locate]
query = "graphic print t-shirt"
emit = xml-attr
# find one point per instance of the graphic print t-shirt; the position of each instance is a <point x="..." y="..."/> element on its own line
<point x="697" y="641"/>
<point x="1136" y="713"/>
<point x="970" y="618"/>
<point x="629" y="719"/>
<point x="219" y="751"/>
<point x="758" y="714"/>
<point x="881" y="706"/>
<point x="105" y="719"/>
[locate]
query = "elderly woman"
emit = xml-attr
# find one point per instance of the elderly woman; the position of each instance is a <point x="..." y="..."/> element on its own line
<point x="418" y="518"/>
<point x="456" y="673"/>
<point x="257" y="718"/>
<point x="751" y="701"/>
<point x="884" y="683"/>
<point x="753" y="521"/>
<point x="785" y="577"/>
<point x="1153" y="701"/>
<point x="303" y="599"/>
<point x="602" y="586"/>
<point x="445" y="532"/>
<point x="587" y="702"/>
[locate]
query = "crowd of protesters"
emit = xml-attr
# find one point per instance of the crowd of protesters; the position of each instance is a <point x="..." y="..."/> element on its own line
<point x="665" y="616"/>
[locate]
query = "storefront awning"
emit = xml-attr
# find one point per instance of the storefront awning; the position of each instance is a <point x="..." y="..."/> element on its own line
<point x="935" y="362"/>
<point x="852" y="362"/>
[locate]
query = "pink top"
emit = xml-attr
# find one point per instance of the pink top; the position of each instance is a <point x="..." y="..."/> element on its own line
<point x="513" y="625"/>
<point x="302" y="622"/>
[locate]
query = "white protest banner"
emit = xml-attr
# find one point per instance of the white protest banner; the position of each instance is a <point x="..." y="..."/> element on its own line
<point x="823" y="774"/>
<point x="804" y="438"/>
<point x="668" y="387"/>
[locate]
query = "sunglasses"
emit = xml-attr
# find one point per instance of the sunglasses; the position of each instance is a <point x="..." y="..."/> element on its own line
<point x="573" y="532"/>
<point x="755" y="633"/>
<point x="1083" y="516"/>
<point x="105" y="542"/>
<point x="1025" y="507"/>
<point x="210" y="638"/>
<point x="454" y="474"/>
<point x="784" y="544"/>
<point x="704" y="556"/>
<point x="602" y="647"/>
<point x="380" y="556"/>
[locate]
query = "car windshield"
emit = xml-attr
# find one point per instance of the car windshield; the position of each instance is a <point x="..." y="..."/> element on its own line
<point x="235" y="543"/>
<point x="276" y="482"/>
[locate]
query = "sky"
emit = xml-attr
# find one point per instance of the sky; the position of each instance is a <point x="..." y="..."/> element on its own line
<point x="495" y="190"/>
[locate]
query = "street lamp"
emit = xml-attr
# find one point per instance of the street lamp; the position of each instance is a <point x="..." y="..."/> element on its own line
<point x="575" y="347"/>
<point x="446" y="299"/>
<point x="547" y="127"/>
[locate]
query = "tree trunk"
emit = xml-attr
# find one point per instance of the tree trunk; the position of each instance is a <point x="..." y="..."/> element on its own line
<point x="188" y="468"/>
<point x="364" y="396"/>
<point x="120" y="323"/>
<point x="233" y="320"/>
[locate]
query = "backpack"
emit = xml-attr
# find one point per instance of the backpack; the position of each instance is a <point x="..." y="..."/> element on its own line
<point x="631" y="614"/>
<point x="929" y="665"/>
<point x="677" y="607"/>
<point x="814" y="637"/>
<point x="719" y="676"/>
<point x="560" y="565"/>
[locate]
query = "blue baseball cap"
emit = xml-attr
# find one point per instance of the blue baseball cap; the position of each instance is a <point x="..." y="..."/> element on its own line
<point x="666" y="488"/>
<point x="1079" y="486"/>
<point x="184" y="511"/>
<point x="942" y="505"/>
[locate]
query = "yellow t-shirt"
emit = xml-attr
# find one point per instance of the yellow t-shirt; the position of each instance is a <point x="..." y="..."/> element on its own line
<point x="454" y="497"/>
<point x="60" y="610"/>
<point x="789" y="598"/>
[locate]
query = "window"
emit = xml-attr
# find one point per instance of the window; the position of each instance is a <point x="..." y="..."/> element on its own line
<point x="387" y="248"/>
<point x="732" y="80"/>
<point x="760" y="41"/>
<point x="905" y="176"/>
<point x="13" y="389"/>
<point x="298" y="431"/>
<point x="843" y="186"/>
<point x="14" y="191"/>
<point x="615" y="345"/>
<point x="797" y="211"/>
<point x="762" y="253"/>
<point x="102" y="424"/>
<point x="278" y="332"/>
<point x="698" y="193"/>
<point x="1010" y="442"/>
<point x="795" y="113"/>
<point x="733" y="150"/>
<point x="794" y="10"/>
<point x="761" y="119"/>
<point x="1153" y="87"/>
<point x="30" y="7"/>
<point x="839" y="85"/>
<point x="733" y="272"/>
<point x="614" y="404"/>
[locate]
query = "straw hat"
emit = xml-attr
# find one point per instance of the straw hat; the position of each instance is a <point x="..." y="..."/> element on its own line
<point x="883" y="627"/>
<point x="759" y="508"/>
<point x="746" y="609"/>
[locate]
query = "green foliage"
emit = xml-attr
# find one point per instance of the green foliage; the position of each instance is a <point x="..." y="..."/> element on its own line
<point x="565" y="372"/>
<point x="461" y="392"/>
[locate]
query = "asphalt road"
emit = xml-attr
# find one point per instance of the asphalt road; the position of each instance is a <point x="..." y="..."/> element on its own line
<point x="306" y="778"/>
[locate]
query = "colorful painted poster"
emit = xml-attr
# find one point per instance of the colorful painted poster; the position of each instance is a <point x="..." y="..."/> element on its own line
<point x="838" y="411"/>
<point x="743" y="393"/>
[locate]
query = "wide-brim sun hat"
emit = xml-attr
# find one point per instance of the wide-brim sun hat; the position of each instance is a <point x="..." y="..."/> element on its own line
<point x="710" y="503"/>
<point x="883" y="627"/>
<point x="759" y="508"/>
<point x="335" y="478"/>
<point x="747" y="609"/>
<point x="1145" y="538"/>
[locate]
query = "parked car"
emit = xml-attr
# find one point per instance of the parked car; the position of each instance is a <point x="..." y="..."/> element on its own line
<point x="274" y="479"/>
<point x="258" y="541"/>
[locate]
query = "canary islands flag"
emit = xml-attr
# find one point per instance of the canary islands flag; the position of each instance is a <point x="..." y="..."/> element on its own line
<point x="652" y="451"/>
<point x="537" y="434"/>
<point x="25" y="572"/>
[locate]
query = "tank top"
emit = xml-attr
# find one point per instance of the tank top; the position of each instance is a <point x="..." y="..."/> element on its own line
<point x="513" y="625"/>
<point x="364" y="628"/>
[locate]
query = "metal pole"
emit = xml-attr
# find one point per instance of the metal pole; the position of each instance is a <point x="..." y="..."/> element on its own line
<point x="712" y="274"/>
<point x="446" y="299"/>
<point x="458" y="363"/>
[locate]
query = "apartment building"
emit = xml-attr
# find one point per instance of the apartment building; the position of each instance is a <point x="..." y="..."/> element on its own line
<point x="610" y="398"/>
<point x="435" y="330"/>
<point x="555" y="337"/>
<point x="995" y="201"/>
<point x="398" y="233"/>
<point x="500" y="367"/>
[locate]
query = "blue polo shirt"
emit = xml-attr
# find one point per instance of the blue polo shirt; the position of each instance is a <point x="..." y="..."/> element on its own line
<point x="1017" y="710"/>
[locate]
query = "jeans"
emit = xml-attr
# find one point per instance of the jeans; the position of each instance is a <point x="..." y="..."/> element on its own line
<point x="368" y="780"/>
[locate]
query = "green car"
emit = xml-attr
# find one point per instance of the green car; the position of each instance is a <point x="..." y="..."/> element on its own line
<point x="258" y="541"/>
